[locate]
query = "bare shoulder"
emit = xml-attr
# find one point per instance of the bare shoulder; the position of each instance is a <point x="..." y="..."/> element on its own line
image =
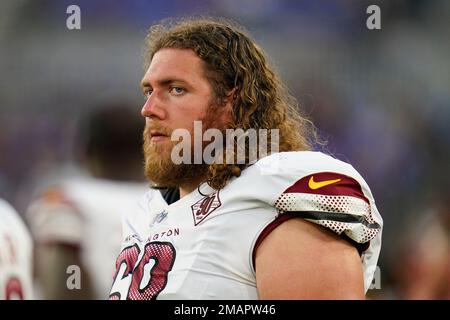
<point x="301" y="260"/>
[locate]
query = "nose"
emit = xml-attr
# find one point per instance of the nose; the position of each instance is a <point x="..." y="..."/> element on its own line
<point x="153" y="108"/>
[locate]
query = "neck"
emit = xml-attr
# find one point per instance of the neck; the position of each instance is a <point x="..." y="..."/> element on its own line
<point x="189" y="187"/>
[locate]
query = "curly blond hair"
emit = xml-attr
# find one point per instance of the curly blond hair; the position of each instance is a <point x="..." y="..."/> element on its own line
<point x="234" y="61"/>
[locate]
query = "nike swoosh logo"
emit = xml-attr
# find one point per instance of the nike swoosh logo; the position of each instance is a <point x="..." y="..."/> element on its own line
<point x="317" y="185"/>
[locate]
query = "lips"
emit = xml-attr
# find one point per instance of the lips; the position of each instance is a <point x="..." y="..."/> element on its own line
<point x="157" y="135"/>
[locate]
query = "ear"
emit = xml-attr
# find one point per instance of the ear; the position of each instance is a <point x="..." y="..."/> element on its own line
<point x="231" y="98"/>
<point x="229" y="103"/>
<point x="232" y="94"/>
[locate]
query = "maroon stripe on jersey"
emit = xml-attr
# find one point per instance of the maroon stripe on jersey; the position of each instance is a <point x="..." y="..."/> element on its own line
<point x="325" y="183"/>
<point x="361" y="247"/>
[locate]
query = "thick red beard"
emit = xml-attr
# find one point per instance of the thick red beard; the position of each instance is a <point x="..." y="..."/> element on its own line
<point x="159" y="167"/>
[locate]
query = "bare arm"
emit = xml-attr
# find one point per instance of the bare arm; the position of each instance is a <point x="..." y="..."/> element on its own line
<point x="301" y="260"/>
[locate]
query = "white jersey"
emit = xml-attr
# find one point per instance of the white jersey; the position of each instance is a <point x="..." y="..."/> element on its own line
<point x="86" y="212"/>
<point x="203" y="245"/>
<point x="15" y="256"/>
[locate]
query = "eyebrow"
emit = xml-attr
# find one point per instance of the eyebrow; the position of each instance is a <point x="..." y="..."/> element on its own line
<point x="163" y="82"/>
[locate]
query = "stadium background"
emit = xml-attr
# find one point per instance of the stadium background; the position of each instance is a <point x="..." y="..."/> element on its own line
<point x="380" y="98"/>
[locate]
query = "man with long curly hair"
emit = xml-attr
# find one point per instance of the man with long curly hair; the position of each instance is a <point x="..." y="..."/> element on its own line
<point x="295" y="224"/>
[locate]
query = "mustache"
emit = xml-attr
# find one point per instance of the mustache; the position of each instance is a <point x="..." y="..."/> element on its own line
<point x="151" y="129"/>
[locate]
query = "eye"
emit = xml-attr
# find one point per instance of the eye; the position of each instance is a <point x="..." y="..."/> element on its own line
<point x="147" y="93"/>
<point x="177" y="90"/>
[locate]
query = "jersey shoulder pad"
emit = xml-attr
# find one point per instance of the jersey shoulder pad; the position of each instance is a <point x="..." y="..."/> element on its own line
<point x="137" y="219"/>
<point x="323" y="190"/>
<point x="54" y="217"/>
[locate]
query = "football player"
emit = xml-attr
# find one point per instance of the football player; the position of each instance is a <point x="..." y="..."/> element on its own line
<point x="16" y="251"/>
<point x="76" y="222"/>
<point x="297" y="224"/>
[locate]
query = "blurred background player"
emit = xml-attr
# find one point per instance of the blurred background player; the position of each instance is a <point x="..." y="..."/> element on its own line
<point x="77" y="221"/>
<point x="15" y="256"/>
<point x="422" y="268"/>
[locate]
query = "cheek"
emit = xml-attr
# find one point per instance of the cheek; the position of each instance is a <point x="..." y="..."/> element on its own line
<point x="189" y="111"/>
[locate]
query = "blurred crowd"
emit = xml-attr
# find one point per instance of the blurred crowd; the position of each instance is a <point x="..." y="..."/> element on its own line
<point x="380" y="98"/>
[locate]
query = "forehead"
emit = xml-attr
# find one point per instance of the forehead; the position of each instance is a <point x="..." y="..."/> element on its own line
<point x="172" y="63"/>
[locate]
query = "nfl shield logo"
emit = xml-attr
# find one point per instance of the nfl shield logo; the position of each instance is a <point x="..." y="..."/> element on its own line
<point x="202" y="208"/>
<point x="159" y="217"/>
